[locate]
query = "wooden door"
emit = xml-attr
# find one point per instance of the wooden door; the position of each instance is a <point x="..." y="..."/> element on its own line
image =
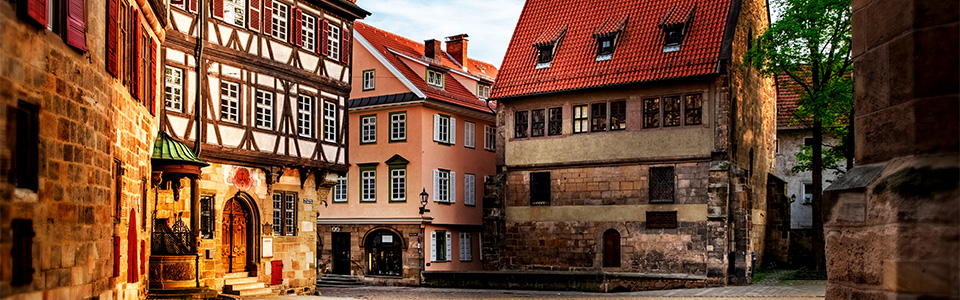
<point x="611" y="248"/>
<point x="234" y="250"/>
<point x="341" y="253"/>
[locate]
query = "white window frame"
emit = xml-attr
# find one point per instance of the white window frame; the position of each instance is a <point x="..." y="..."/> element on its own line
<point x="305" y="116"/>
<point x="368" y="185"/>
<point x="333" y="42"/>
<point x="469" y="189"/>
<point x="369" y="79"/>
<point x="490" y="138"/>
<point x="173" y="88"/>
<point x="444" y="186"/>
<point x="309" y="32"/>
<point x="330" y="121"/>
<point x="398" y="126"/>
<point x="264" y="109"/>
<point x="234" y="12"/>
<point x="340" y="189"/>
<point x="281" y="13"/>
<point x="444" y="129"/>
<point x="229" y="102"/>
<point x="368" y="129"/>
<point x="469" y="134"/>
<point x="398" y="184"/>
<point x="483" y="91"/>
<point x="435" y="78"/>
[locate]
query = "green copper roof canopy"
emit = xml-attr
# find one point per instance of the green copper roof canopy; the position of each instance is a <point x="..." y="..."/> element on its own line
<point x="167" y="150"/>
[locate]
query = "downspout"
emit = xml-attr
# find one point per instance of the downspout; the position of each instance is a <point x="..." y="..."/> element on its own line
<point x="198" y="61"/>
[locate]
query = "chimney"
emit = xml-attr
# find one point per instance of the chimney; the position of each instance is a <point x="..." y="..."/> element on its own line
<point x="457" y="48"/>
<point x="431" y="49"/>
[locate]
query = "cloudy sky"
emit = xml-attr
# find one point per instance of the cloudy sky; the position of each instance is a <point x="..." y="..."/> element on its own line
<point x="489" y="23"/>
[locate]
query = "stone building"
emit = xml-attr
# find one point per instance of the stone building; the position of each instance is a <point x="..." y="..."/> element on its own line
<point x="892" y="223"/>
<point x="422" y="126"/>
<point x="634" y="144"/>
<point x="272" y="124"/>
<point x="77" y="104"/>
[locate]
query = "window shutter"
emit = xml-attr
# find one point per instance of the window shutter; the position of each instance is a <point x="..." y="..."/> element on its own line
<point x="267" y="17"/>
<point x="345" y="45"/>
<point x="325" y="37"/>
<point x="436" y="185"/>
<point x="469" y="246"/>
<point x="433" y="246"/>
<point x="76" y="24"/>
<point x="436" y="128"/>
<point x="448" y="248"/>
<point x="111" y="37"/>
<point x="469" y="191"/>
<point x="463" y="256"/>
<point x="37" y="11"/>
<point x="453" y="131"/>
<point x="135" y="29"/>
<point x="296" y="30"/>
<point x="253" y="20"/>
<point x="453" y="187"/>
<point x="143" y="257"/>
<point x="217" y="8"/>
<point x="116" y="256"/>
<point x="153" y="77"/>
<point x="193" y="5"/>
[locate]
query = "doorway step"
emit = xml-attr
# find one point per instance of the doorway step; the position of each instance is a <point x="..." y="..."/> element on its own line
<point x="241" y="284"/>
<point x="337" y="280"/>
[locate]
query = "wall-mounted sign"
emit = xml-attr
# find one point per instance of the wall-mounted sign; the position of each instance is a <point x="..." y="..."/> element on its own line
<point x="267" y="247"/>
<point x="335" y="228"/>
<point x="307" y="201"/>
<point x="386" y="239"/>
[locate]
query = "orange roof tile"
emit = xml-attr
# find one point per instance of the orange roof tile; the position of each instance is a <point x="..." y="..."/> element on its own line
<point x="393" y="47"/>
<point x="788" y="96"/>
<point x="639" y="55"/>
<point x="612" y="24"/>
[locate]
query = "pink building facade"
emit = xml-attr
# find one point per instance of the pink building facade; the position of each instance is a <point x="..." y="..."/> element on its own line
<point x="419" y="123"/>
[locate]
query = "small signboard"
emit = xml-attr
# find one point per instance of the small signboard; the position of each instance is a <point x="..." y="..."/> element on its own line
<point x="386" y="239"/>
<point x="661" y="219"/>
<point x="267" y="247"/>
<point x="307" y="201"/>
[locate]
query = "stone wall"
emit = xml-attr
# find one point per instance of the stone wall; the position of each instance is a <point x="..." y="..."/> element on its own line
<point x="86" y="119"/>
<point x="358" y="255"/>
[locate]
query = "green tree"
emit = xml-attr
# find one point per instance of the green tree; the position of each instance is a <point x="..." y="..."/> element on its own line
<point x="810" y="43"/>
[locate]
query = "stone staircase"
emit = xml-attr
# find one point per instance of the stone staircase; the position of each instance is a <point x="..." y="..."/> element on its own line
<point x="337" y="280"/>
<point x="241" y="284"/>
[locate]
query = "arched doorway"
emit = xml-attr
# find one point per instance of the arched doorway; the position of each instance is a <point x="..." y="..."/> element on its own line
<point x="384" y="253"/>
<point x="611" y="249"/>
<point x="236" y="238"/>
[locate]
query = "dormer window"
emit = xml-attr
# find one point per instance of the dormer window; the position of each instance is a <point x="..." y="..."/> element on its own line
<point x="435" y="78"/>
<point x="607" y="35"/>
<point x="605" y="47"/>
<point x="672" y="38"/>
<point x="675" y="24"/>
<point x="546" y="45"/>
<point x="544" y="55"/>
<point x="483" y="91"/>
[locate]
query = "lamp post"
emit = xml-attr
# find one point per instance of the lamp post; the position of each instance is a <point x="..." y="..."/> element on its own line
<point x="423" y="209"/>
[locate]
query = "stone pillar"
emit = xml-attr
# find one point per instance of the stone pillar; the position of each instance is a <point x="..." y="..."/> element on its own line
<point x="892" y="223"/>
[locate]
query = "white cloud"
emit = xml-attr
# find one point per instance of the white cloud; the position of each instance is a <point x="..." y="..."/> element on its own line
<point x="489" y="23"/>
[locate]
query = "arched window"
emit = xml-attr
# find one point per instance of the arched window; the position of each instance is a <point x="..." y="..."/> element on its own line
<point x="384" y="253"/>
<point x="611" y="248"/>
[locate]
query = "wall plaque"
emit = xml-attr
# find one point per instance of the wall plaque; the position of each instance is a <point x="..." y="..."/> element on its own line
<point x="661" y="219"/>
<point x="267" y="249"/>
<point x="307" y="201"/>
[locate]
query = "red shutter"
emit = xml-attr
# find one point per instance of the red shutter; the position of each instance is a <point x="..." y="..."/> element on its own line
<point x="217" y="8"/>
<point x="325" y="37"/>
<point x="76" y="24"/>
<point x="297" y="28"/>
<point x="116" y="256"/>
<point x="133" y="275"/>
<point x="143" y="257"/>
<point x="268" y="17"/>
<point x="345" y="45"/>
<point x="193" y="5"/>
<point x="254" y="19"/>
<point x="153" y="77"/>
<point x="37" y="11"/>
<point x="136" y="57"/>
<point x="112" y="37"/>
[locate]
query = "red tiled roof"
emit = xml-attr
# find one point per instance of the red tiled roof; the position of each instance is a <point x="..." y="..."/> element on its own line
<point x="680" y="13"/>
<point x="788" y="95"/>
<point x="453" y="92"/>
<point x="550" y="35"/>
<point x="612" y="24"/>
<point x="639" y="54"/>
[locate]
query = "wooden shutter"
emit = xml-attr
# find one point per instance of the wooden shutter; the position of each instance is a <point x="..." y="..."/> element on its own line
<point x="325" y="37"/>
<point x="453" y="131"/>
<point x="448" y="248"/>
<point x="76" y="24"/>
<point x="37" y="11"/>
<point x="193" y="5"/>
<point x="453" y="187"/>
<point x="21" y="252"/>
<point x="436" y="128"/>
<point x="143" y="257"/>
<point x="436" y="185"/>
<point x="296" y="30"/>
<point x="468" y="246"/>
<point x="463" y="256"/>
<point x="132" y="272"/>
<point x="268" y="17"/>
<point x="111" y="37"/>
<point x="116" y="256"/>
<point x="433" y="246"/>
<point x="345" y="45"/>
<point x="136" y="55"/>
<point x="253" y="20"/>
<point x="217" y="8"/>
<point x="153" y="77"/>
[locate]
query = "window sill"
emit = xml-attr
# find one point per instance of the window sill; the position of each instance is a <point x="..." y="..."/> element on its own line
<point x="398" y="141"/>
<point x="542" y="65"/>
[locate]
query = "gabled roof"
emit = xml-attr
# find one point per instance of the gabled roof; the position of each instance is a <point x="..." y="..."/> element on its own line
<point x="394" y="48"/>
<point x="788" y="95"/>
<point x="638" y="57"/>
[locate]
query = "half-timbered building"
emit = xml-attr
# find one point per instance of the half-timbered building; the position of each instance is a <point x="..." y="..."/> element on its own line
<point x="264" y="85"/>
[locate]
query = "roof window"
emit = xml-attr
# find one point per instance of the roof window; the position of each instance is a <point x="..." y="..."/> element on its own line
<point x="607" y="36"/>
<point x="546" y="45"/>
<point x="675" y="24"/>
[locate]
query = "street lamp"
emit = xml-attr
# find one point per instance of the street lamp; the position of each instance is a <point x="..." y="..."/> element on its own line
<point x="423" y="209"/>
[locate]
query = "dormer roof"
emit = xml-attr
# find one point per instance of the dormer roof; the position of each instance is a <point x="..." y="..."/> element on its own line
<point x="639" y="54"/>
